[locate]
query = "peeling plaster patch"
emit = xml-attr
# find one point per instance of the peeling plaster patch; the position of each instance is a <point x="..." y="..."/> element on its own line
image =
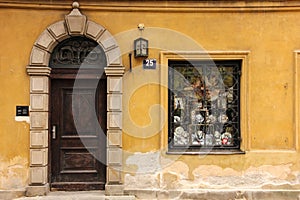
<point x="213" y="170"/>
<point x="145" y="162"/>
<point x="169" y="181"/>
<point x="173" y="175"/>
<point x="279" y="172"/>
<point x="297" y="177"/>
<point x="22" y="119"/>
<point x="141" y="181"/>
<point x="14" y="173"/>
<point x="155" y="172"/>
<point x="215" y="177"/>
<point x="179" y="168"/>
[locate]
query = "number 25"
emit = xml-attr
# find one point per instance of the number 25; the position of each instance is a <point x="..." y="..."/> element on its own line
<point x="149" y="63"/>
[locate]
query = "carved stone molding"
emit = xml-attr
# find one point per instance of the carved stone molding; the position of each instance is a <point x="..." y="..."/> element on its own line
<point x="74" y="24"/>
<point x="114" y="70"/>
<point x="38" y="71"/>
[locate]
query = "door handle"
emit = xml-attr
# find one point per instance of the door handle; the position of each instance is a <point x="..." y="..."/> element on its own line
<point x="53" y="132"/>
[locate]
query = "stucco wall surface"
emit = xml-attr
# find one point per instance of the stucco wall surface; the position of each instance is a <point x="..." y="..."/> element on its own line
<point x="152" y="171"/>
<point x="270" y="138"/>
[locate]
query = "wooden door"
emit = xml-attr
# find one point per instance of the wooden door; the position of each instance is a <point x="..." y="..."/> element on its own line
<point x="78" y="145"/>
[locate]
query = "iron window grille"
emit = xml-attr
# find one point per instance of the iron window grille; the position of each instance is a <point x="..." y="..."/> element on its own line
<point x="204" y="106"/>
<point x="78" y="52"/>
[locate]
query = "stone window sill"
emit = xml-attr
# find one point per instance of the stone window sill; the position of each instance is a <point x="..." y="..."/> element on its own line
<point x="204" y="152"/>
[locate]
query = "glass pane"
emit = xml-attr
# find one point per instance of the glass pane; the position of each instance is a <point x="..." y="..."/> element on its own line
<point x="204" y="104"/>
<point x="78" y="52"/>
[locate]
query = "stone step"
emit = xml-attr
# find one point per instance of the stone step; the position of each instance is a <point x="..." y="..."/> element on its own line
<point x="11" y="194"/>
<point x="82" y="195"/>
<point x="216" y="194"/>
<point x="192" y="194"/>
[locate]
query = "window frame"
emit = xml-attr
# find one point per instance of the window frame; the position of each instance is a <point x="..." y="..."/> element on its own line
<point x="193" y="149"/>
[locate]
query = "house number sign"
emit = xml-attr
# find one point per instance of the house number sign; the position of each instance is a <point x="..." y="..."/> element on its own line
<point x="149" y="64"/>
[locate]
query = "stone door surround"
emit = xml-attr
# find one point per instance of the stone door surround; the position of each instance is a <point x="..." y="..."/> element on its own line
<point x="74" y="24"/>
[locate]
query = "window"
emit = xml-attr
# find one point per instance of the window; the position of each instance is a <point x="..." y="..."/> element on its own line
<point x="78" y="52"/>
<point x="204" y="106"/>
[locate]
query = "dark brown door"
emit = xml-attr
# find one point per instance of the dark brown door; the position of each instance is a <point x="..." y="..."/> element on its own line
<point x="77" y="131"/>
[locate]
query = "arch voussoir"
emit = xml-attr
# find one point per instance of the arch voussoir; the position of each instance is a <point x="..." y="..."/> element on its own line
<point x="59" y="31"/>
<point x="93" y="30"/>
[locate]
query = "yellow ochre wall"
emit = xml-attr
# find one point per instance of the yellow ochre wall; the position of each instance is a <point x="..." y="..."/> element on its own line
<point x="270" y="110"/>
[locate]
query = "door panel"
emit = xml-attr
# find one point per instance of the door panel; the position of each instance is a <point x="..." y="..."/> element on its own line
<point x="79" y="143"/>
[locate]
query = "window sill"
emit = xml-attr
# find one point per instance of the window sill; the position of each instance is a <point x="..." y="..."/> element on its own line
<point x="204" y="152"/>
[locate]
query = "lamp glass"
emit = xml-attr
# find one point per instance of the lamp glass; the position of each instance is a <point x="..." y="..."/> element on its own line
<point x="141" y="47"/>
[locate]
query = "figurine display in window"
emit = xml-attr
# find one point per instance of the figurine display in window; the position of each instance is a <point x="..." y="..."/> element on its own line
<point x="198" y="138"/>
<point x="223" y="118"/>
<point x="211" y="119"/>
<point x="178" y="110"/>
<point x="213" y="83"/>
<point x="218" y="140"/>
<point x="181" y="136"/>
<point x="205" y="105"/>
<point x="227" y="136"/>
<point x="209" y="139"/>
<point x="198" y="87"/>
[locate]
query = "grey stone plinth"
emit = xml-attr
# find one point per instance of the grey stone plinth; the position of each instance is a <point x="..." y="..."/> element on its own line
<point x="32" y="191"/>
<point x="114" y="190"/>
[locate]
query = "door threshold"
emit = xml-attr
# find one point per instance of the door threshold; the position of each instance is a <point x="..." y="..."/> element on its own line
<point x="77" y="193"/>
<point x="77" y="186"/>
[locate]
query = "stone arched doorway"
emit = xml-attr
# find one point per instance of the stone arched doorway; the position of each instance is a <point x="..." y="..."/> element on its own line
<point x="74" y="24"/>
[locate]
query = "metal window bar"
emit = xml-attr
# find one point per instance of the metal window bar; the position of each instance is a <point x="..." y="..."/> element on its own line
<point x="204" y="105"/>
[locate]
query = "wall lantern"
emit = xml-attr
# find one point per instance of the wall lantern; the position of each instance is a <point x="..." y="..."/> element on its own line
<point x="140" y="47"/>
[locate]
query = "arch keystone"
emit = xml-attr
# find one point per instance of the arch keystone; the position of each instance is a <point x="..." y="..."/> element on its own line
<point x="75" y="21"/>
